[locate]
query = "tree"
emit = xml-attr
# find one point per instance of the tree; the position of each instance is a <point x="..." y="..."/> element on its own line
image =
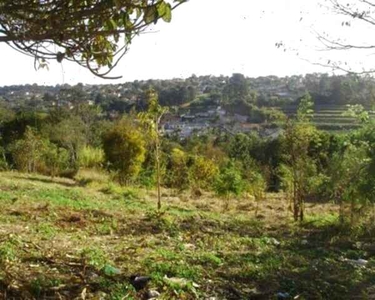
<point x="124" y="149"/>
<point x="257" y="187"/>
<point x="92" y="33"/>
<point x="299" y="168"/>
<point x="27" y="152"/>
<point x="347" y="172"/>
<point x="69" y="134"/>
<point x="151" y="122"/>
<point x="229" y="182"/>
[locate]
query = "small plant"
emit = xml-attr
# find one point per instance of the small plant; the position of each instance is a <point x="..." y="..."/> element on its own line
<point x="7" y="251"/>
<point x="210" y="259"/>
<point x="151" y="122"/>
<point x="47" y="231"/>
<point x="229" y="183"/>
<point x="94" y="257"/>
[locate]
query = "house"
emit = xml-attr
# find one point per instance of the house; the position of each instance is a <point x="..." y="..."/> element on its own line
<point x="187" y="118"/>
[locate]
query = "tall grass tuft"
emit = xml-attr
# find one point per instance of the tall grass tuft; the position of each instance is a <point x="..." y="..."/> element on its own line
<point x="91" y="157"/>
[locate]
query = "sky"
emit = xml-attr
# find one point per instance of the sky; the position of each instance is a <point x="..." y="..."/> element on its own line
<point x="205" y="37"/>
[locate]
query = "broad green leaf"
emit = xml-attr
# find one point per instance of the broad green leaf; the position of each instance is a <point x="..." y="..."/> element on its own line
<point x="150" y="14"/>
<point x="165" y="11"/>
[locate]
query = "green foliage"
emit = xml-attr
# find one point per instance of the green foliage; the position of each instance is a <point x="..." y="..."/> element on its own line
<point x="68" y="133"/>
<point x="124" y="149"/>
<point x="94" y="257"/>
<point x="27" y="152"/>
<point x="90" y="157"/>
<point x="305" y="109"/>
<point x="348" y="176"/>
<point x="102" y="34"/>
<point x="256" y="185"/>
<point x="229" y="181"/>
<point x="202" y="172"/>
<point x="358" y="112"/>
<point x="150" y="120"/>
<point x="299" y="168"/>
<point x="3" y="161"/>
<point x="56" y="160"/>
<point x="178" y="175"/>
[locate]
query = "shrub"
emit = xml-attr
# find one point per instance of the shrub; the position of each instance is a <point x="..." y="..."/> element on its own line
<point x="90" y="157"/>
<point x="3" y="161"/>
<point x="178" y="176"/>
<point x="229" y="181"/>
<point x="56" y="160"/>
<point x="124" y="149"/>
<point x="202" y="172"/>
<point x="27" y="152"/>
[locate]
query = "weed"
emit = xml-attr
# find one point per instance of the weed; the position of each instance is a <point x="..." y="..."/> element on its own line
<point x="8" y="251"/>
<point x="46" y="231"/>
<point x="209" y="259"/>
<point x="94" y="257"/>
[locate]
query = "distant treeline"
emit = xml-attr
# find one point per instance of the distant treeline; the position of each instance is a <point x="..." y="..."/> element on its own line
<point x="236" y="93"/>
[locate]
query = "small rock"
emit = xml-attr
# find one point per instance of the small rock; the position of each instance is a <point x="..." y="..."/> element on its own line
<point x="281" y="296"/>
<point x="357" y="262"/>
<point x="174" y="280"/>
<point x="139" y="282"/>
<point x="152" y="294"/>
<point x="100" y="296"/>
<point x="275" y="242"/>
<point x="189" y="246"/>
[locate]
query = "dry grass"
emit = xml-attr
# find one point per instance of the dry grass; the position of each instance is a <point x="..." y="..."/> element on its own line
<point x="60" y="240"/>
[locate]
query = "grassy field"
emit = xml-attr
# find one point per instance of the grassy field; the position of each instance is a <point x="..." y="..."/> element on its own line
<point x="65" y="239"/>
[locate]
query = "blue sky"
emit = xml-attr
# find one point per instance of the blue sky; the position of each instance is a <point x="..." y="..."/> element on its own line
<point x="205" y="37"/>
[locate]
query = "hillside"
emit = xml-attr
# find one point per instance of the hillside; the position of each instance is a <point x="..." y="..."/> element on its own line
<point x="65" y="239"/>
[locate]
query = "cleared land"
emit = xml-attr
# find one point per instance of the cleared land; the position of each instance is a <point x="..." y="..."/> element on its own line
<point x="330" y="117"/>
<point x="62" y="239"/>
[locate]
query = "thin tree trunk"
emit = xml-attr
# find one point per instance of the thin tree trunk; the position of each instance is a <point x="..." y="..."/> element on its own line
<point x="341" y="211"/>
<point x="158" y="173"/>
<point x="302" y="209"/>
<point x="295" y="202"/>
<point x="352" y="212"/>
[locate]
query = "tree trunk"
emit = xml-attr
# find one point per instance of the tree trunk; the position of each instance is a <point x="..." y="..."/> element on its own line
<point x="352" y="207"/>
<point x="341" y="211"/>
<point x="295" y="202"/>
<point x="158" y="173"/>
<point x="302" y="209"/>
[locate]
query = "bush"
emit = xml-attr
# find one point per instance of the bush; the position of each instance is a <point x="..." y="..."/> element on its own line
<point x="124" y="149"/>
<point x="229" y="181"/>
<point x="32" y="153"/>
<point x="27" y="152"/>
<point x="90" y="157"/>
<point x="202" y="172"/>
<point x="3" y="161"/>
<point x="56" y="161"/>
<point x="178" y="176"/>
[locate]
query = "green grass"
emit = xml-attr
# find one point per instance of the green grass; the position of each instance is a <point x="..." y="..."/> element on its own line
<point x="59" y="238"/>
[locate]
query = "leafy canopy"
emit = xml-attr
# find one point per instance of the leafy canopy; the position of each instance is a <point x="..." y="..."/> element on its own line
<point x="92" y="33"/>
